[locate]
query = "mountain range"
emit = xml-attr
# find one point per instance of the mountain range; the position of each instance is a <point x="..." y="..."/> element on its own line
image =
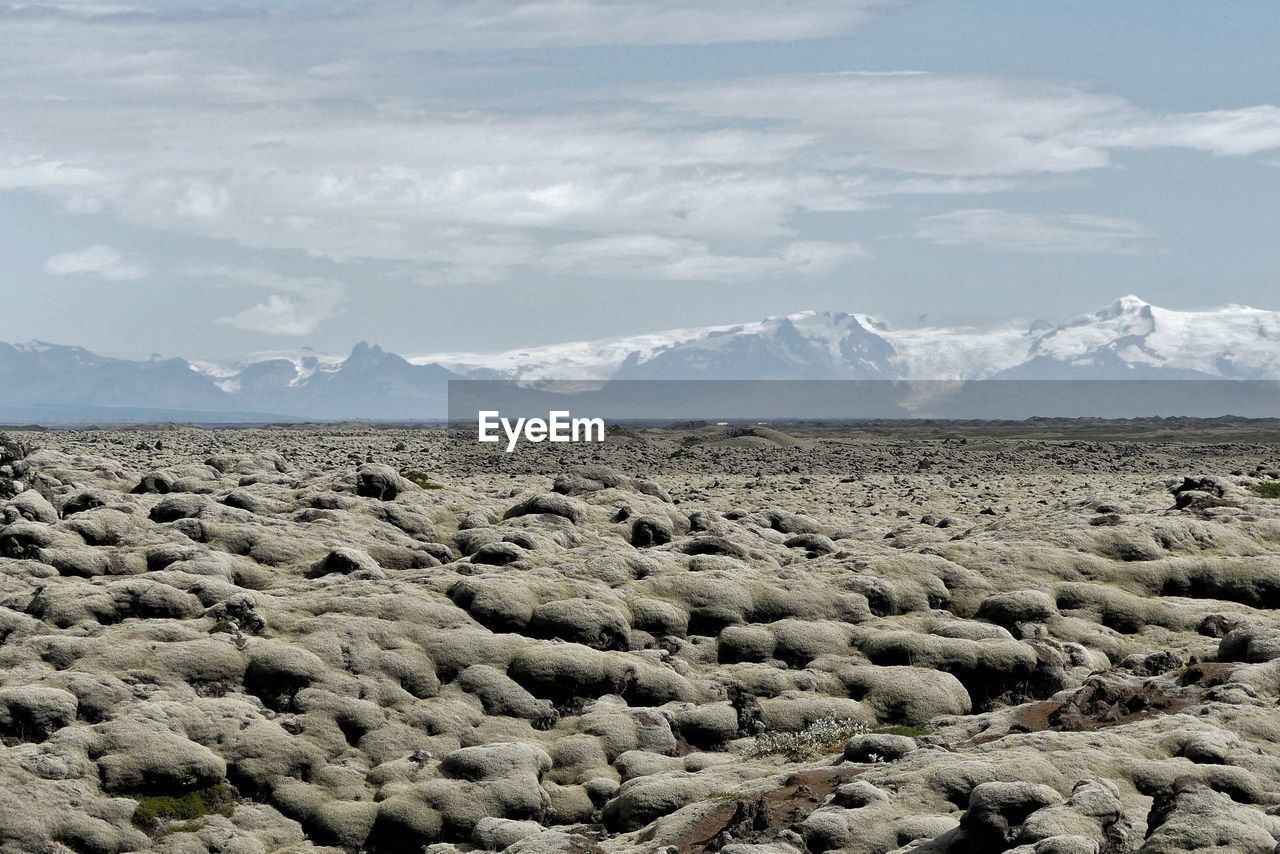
<point x="1128" y="339"/>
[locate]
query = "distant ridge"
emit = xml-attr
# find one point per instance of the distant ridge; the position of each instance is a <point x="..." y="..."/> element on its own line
<point x="1128" y="339"/>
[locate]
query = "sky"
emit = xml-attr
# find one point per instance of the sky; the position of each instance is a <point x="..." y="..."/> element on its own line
<point x="215" y="180"/>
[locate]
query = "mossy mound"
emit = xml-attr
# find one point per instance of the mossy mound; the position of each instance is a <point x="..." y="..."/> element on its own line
<point x="155" y="813"/>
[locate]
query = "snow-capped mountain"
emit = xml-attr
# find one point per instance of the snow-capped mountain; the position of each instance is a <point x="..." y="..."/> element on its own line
<point x="39" y="374"/>
<point x="1129" y="339"/>
<point x="957" y="353"/>
<point x="576" y="360"/>
<point x="56" y="384"/>
<point x="806" y="346"/>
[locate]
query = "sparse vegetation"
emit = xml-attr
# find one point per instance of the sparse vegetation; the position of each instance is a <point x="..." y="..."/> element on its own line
<point x="185" y="827"/>
<point x="155" y="811"/>
<point x="821" y="737"/>
<point x="916" y="731"/>
<point x="422" y="480"/>
<point x="1270" y="489"/>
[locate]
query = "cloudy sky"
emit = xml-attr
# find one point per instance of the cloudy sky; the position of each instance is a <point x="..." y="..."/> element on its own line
<point x="212" y="179"/>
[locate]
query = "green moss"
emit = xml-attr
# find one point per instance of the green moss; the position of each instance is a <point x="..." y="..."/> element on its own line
<point x="154" y="811"/>
<point x="1270" y="489"/>
<point x="422" y="480"/>
<point x="185" y="827"/>
<point x="828" y="735"/>
<point x="222" y="627"/>
<point x="916" y="731"/>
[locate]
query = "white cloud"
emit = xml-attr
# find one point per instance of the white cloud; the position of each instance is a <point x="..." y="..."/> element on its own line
<point x="538" y="23"/>
<point x="948" y="125"/>
<point x="32" y="172"/>
<point x="1036" y="233"/>
<point x="278" y="315"/>
<point x="650" y="256"/>
<point x="1227" y="133"/>
<point x="487" y="24"/>
<point x="179" y="121"/>
<point x="297" y="305"/>
<point x="98" y="260"/>
<point x="202" y="200"/>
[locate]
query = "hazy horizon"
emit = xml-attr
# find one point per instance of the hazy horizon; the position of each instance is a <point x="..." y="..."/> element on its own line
<point x="994" y="325"/>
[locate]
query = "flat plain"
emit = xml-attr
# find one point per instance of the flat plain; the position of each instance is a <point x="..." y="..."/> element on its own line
<point x="1053" y="637"/>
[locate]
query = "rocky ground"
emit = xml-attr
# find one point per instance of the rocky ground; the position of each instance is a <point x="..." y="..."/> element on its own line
<point x="953" y="639"/>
